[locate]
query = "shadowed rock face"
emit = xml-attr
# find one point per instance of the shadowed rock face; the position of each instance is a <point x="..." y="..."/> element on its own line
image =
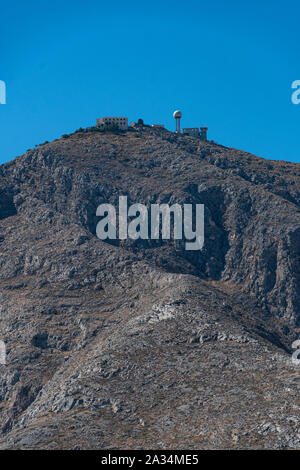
<point x="142" y="344"/>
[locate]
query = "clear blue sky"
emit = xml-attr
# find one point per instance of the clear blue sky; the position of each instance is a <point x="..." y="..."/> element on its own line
<point x="226" y="64"/>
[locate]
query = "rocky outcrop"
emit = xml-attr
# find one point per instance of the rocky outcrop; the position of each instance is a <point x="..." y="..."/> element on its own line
<point x="142" y="344"/>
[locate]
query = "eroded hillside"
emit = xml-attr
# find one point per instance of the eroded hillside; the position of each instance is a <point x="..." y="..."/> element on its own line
<point x="142" y="344"/>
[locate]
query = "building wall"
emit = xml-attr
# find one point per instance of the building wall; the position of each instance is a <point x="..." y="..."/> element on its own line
<point x="120" y="121"/>
<point x="193" y="131"/>
<point x="203" y="133"/>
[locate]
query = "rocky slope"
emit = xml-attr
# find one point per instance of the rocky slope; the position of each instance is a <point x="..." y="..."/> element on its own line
<point x="142" y="344"/>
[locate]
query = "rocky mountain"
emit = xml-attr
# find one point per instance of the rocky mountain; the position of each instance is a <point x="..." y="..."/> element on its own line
<point x="143" y="344"/>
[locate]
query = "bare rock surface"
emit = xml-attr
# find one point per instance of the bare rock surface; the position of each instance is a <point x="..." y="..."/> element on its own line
<point x="142" y="344"/>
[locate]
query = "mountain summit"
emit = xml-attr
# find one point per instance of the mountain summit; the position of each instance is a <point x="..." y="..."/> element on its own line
<point x="141" y="343"/>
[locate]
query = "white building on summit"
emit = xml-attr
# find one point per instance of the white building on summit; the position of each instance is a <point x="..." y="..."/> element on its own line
<point x="121" y="122"/>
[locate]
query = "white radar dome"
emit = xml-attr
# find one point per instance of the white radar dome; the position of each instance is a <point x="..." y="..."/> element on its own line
<point x="177" y="114"/>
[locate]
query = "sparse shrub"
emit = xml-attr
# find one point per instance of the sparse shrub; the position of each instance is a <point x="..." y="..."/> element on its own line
<point x="43" y="143"/>
<point x="94" y="129"/>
